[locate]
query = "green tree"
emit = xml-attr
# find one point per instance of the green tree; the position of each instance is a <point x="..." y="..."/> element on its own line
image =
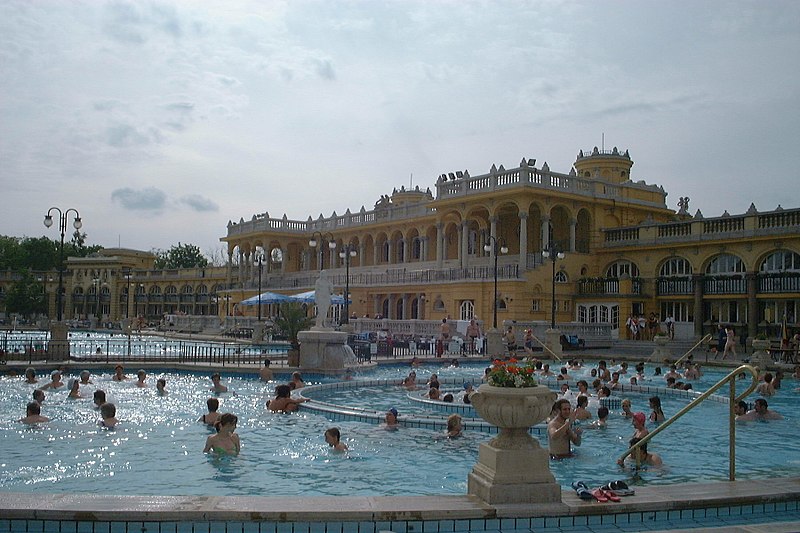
<point x="291" y="321"/>
<point x="26" y="296"/>
<point x="11" y="254"/>
<point x="180" y="256"/>
<point x="39" y="254"/>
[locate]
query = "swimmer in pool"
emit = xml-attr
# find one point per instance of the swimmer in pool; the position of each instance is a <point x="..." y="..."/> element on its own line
<point x="108" y="414"/>
<point x="142" y="375"/>
<point x="55" y="381"/>
<point x="85" y="375"/>
<point x="638" y="422"/>
<point x="218" y="387"/>
<point x="161" y="387"/>
<point x="30" y="375"/>
<point x="212" y="416"/>
<point x="333" y="438"/>
<point x="33" y="414"/>
<point x="74" y="389"/>
<point x="99" y="398"/>
<point x="391" y="419"/>
<point x="265" y="373"/>
<point x="297" y="379"/>
<point x="626" y="408"/>
<point x="38" y="396"/>
<point x="454" y="426"/>
<point x="225" y="441"/>
<point x="283" y="401"/>
<point x="560" y="432"/>
<point x="760" y="412"/>
<point x="641" y="456"/>
<point x="119" y="373"/>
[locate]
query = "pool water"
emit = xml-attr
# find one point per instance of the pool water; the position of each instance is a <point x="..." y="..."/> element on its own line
<point x="157" y="448"/>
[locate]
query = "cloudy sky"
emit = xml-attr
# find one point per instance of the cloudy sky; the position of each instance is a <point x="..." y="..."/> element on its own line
<point x="160" y="121"/>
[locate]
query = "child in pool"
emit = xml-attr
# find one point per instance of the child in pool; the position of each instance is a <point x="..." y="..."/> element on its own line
<point x="333" y="438"/>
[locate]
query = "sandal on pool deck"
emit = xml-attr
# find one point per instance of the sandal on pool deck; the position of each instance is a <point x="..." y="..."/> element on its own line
<point x="599" y="495"/>
<point x="620" y="487"/>
<point x="610" y="495"/>
<point x="582" y="490"/>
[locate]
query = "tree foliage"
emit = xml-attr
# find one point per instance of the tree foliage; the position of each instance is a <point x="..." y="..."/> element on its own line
<point x="40" y="253"/>
<point x="26" y="296"/>
<point x="291" y="321"/>
<point x="180" y="256"/>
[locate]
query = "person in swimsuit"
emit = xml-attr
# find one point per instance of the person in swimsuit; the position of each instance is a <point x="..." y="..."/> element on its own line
<point x="142" y="375"/>
<point x="640" y="456"/>
<point x="391" y="419"/>
<point x="30" y="375"/>
<point x="74" y="389"/>
<point x="55" y="381"/>
<point x="333" y="438"/>
<point x="297" y="379"/>
<point x="454" y="426"/>
<point x="99" y="398"/>
<point x="33" y="414"/>
<point x="225" y="441"/>
<point x="283" y="401"/>
<point x="658" y="414"/>
<point x="212" y="416"/>
<point x="119" y="373"/>
<point x="218" y="386"/>
<point x="265" y="373"/>
<point x="85" y="375"/>
<point x="560" y="432"/>
<point x="161" y="387"/>
<point x="38" y="396"/>
<point x="108" y="412"/>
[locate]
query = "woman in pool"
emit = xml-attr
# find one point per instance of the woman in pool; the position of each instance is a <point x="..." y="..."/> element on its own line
<point x="225" y="441"/>
<point x="30" y="375"/>
<point x="626" y="408"/>
<point x="142" y="375"/>
<point x="391" y="419"/>
<point x="454" y="427"/>
<point x="119" y="373"/>
<point x="657" y="415"/>
<point x="74" y="389"/>
<point x="55" y="381"/>
<point x="333" y="438"/>
<point x="283" y="401"/>
<point x="108" y="414"/>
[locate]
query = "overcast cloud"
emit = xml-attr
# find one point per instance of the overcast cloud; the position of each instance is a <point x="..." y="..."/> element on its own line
<point x="195" y="113"/>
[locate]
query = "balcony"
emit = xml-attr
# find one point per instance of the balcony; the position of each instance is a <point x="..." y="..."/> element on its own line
<point x="779" y="282"/>
<point x="673" y="286"/>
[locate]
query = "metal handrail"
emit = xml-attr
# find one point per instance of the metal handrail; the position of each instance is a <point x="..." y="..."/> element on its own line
<point x="546" y="347"/>
<point x="730" y="378"/>
<point x="693" y="348"/>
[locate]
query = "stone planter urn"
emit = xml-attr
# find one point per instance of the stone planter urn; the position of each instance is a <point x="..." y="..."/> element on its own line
<point x="760" y="357"/>
<point x="513" y="467"/>
<point x="661" y="353"/>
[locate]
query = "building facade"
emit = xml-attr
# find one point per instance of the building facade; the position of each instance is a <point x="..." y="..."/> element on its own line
<point x="473" y="248"/>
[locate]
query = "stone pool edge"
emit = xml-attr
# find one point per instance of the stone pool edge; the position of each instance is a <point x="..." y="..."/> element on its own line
<point x="96" y="507"/>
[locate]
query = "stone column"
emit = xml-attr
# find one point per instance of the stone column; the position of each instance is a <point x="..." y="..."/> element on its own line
<point x="464" y="240"/>
<point x="492" y="233"/>
<point x="439" y="244"/>
<point x="752" y="304"/>
<point x="545" y="232"/>
<point x="572" y="224"/>
<point x="697" y="280"/>
<point x="390" y="251"/>
<point x="523" y="240"/>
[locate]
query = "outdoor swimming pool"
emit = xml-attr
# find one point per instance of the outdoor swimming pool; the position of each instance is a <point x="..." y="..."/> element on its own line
<point x="157" y="448"/>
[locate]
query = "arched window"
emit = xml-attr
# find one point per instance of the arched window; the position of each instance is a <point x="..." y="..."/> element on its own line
<point x="675" y="266"/>
<point x="202" y="289"/>
<point x="78" y="291"/>
<point x="399" y="306"/>
<point x="781" y="261"/>
<point x="561" y="277"/>
<point x="155" y="289"/>
<point x="172" y="289"/>
<point x="187" y="289"/>
<point x="467" y="311"/>
<point x="622" y="267"/>
<point x="725" y="264"/>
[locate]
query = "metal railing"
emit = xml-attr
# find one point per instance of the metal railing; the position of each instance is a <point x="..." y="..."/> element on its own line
<point x="734" y="399"/>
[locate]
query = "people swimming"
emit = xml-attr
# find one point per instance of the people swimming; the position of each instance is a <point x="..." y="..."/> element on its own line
<point x="283" y="401"/>
<point x="119" y="373"/>
<point x="640" y="455"/>
<point x="390" y="419"/>
<point x="658" y="414"/>
<point x="216" y="383"/>
<point x="74" y="389"/>
<point x="760" y="412"/>
<point x="142" y="376"/>
<point x="161" y="387"/>
<point x="30" y="375"/>
<point x="333" y="438"/>
<point x="55" y="381"/>
<point x="225" y="440"/>
<point x="265" y="374"/>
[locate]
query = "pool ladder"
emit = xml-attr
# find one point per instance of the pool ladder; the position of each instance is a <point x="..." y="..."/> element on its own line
<point x="731" y="379"/>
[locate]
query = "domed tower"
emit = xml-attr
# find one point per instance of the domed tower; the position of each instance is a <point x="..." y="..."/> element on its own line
<point x="611" y="166"/>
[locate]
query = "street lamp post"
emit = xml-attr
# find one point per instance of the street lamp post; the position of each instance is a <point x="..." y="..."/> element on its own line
<point x="553" y="253"/>
<point x="493" y="244"/>
<point x="347" y="252"/>
<point x="312" y="242"/>
<point x="128" y="276"/>
<point x="62" y="224"/>
<point x="260" y="258"/>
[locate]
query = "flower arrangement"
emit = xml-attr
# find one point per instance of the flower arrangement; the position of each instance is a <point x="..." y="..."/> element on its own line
<point x="512" y="374"/>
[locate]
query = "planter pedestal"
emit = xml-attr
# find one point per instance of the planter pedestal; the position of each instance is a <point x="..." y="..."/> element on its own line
<point x="661" y="353"/>
<point x="325" y="351"/>
<point x="760" y="357"/>
<point x="513" y="467"/>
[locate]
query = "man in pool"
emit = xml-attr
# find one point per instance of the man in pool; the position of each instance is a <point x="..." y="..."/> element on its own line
<point x="218" y="386"/>
<point x="55" y="381"/>
<point x="85" y="375"/>
<point x="760" y="412"/>
<point x="99" y="398"/>
<point x="560" y="431"/>
<point x="119" y="373"/>
<point x="265" y="373"/>
<point x="33" y="414"/>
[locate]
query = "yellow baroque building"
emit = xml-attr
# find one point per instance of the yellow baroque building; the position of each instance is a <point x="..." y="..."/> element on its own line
<point x="422" y="254"/>
<point x="429" y="254"/>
